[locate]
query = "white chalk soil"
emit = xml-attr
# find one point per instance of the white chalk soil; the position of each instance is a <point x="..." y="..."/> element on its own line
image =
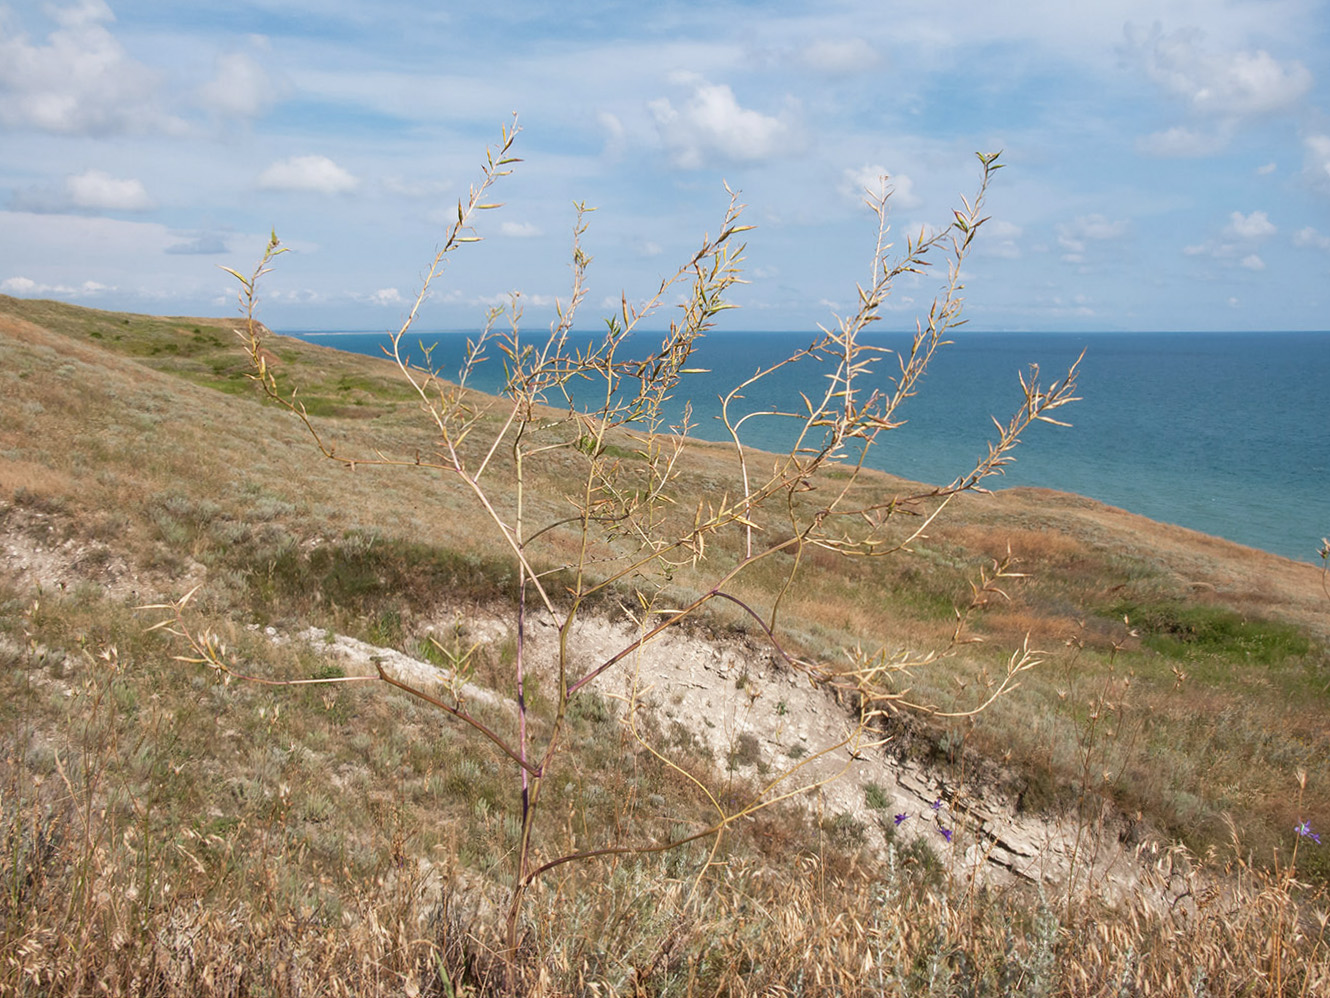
<point x="746" y="707"/>
<point x="757" y="715"/>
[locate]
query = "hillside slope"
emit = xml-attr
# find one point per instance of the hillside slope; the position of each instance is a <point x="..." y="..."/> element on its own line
<point x="1184" y="686"/>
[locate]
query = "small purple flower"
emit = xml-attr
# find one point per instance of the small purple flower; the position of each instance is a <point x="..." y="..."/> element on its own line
<point x="936" y="805"/>
<point x="1304" y="830"/>
<point x="900" y="818"/>
<point x="946" y="833"/>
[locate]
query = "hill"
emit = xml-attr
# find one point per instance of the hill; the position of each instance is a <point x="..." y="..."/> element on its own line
<point x="152" y="813"/>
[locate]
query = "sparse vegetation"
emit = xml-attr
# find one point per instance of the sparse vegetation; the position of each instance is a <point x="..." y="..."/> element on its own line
<point x="627" y="531"/>
<point x="162" y="833"/>
<point x="876" y="798"/>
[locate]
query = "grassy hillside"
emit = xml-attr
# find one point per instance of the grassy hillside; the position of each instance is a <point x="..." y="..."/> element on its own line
<point x="183" y="836"/>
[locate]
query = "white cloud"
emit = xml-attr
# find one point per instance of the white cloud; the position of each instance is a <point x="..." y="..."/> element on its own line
<point x="98" y="191"/>
<point x="1318" y="160"/>
<point x="204" y="244"/>
<point x="120" y="263"/>
<point x="838" y="56"/>
<point x="317" y="174"/>
<point x="386" y="296"/>
<point x="868" y="181"/>
<point x="519" y="230"/>
<point x="1222" y="87"/>
<point x="1309" y="238"/>
<point x="1076" y="235"/>
<point x="1180" y="142"/>
<point x="294" y="296"/>
<point x="615" y="133"/>
<point x="65" y="252"/>
<point x="1099" y="227"/>
<point x="1000" y="228"/>
<point x="1216" y="250"/>
<point x="585" y="106"/>
<point x="25" y="287"/>
<point x="998" y="238"/>
<point x="240" y="86"/>
<point x="1266" y="169"/>
<point x="1254" y="226"/>
<point x="415" y="189"/>
<point x="711" y="125"/>
<point x="18" y="286"/>
<point x="1250" y="83"/>
<point x="78" y="239"/>
<point x="1238" y="240"/>
<point x="88" y="192"/>
<point x="81" y="82"/>
<point x="1224" y="84"/>
<point x="506" y="299"/>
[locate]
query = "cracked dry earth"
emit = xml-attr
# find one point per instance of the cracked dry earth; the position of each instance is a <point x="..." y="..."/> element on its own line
<point x="747" y="709"/>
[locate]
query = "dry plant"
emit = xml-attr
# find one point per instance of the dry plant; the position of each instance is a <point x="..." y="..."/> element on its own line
<point x="627" y="529"/>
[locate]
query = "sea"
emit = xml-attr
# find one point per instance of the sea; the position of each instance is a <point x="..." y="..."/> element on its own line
<point x="1225" y="433"/>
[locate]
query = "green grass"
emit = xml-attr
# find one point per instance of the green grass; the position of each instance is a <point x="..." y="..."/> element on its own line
<point x="208" y="352"/>
<point x="875" y="797"/>
<point x="1194" y="631"/>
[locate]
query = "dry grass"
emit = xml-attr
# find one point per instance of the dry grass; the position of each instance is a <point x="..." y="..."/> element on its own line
<point x="166" y="836"/>
<point x="133" y="865"/>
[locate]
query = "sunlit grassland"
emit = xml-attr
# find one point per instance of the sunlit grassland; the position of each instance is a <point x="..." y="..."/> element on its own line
<point x="143" y="799"/>
<point x="240" y="492"/>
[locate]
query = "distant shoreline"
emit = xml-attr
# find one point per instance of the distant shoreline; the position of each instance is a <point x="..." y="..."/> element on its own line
<point x="1212" y="432"/>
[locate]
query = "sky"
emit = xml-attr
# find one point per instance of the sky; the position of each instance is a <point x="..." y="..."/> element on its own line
<point x="1167" y="161"/>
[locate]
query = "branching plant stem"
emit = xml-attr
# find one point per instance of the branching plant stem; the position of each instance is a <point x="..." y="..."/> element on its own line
<point x="631" y="526"/>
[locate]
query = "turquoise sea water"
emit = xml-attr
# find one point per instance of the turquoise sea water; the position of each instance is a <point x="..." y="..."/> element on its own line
<point x="1226" y="433"/>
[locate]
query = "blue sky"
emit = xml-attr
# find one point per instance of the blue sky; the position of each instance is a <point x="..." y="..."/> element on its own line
<point x="1168" y="160"/>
